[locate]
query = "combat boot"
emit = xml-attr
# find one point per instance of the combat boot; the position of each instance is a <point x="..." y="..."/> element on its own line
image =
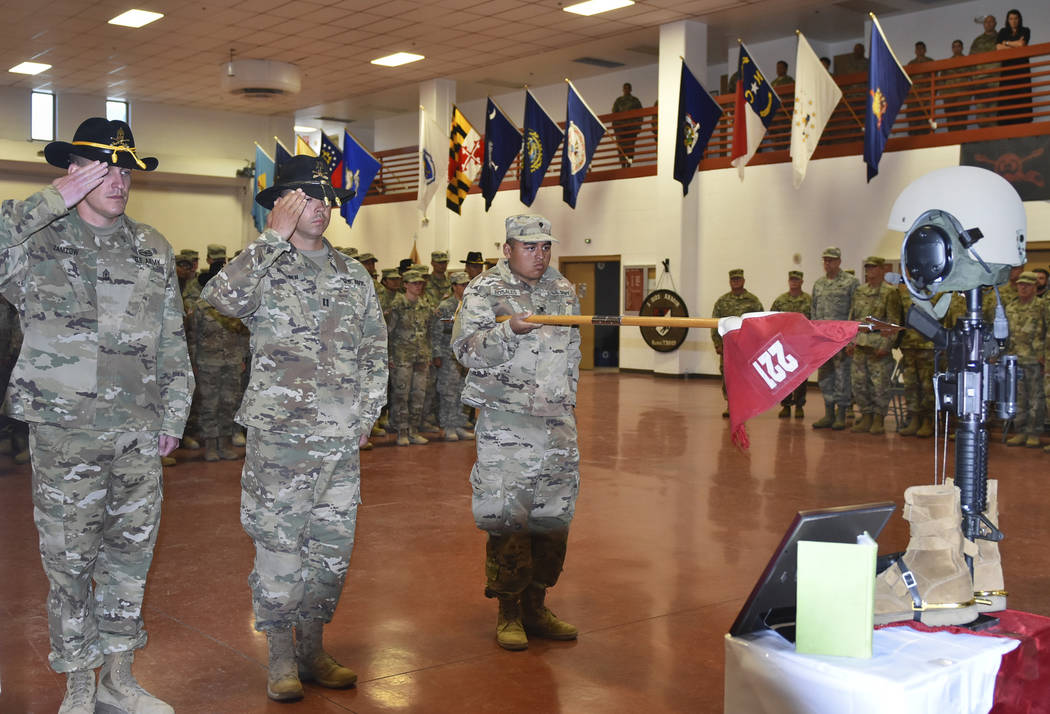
<point x="378" y="430"/>
<point x="911" y="428"/>
<point x="168" y="461"/>
<point x="451" y="435"/>
<point x="211" y="449"/>
<point x="316" y="665"/>
<point x="1032" y="442"/>
<point x="464" y="433"/>
<point x="1017" y="440"/>
<point x="117" y="688"/>
<point x="800" y="413"/>
<point x="925" y="430"/>
<point x="80" y="693"/>
<point x="188" y="442"/>
<point x="21" y="448"/>
<point x="840" y="418"/>
<point x="539" y="621"/>
<point x="935" y="560"/>
<point x="282" y="679"/>
<point x="785" y="413"/>
<point x="238" y="439"/>
<point x="226" y="451"/>
<point x="402" y="437"/>
<point x="510" y="633"/>
<point x="417" y="439"/>
<point x="864" y="425"/>
<point x="828" y="419"/>
<point x="878" y="424"/>
<point x="988" y="587"/>
<point x="5" y="445"/>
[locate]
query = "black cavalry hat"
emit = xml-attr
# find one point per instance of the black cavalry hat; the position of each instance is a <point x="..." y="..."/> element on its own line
<point x="99" y="139"/>
<point x="309" y="174"/>
<point x="474" y="258"/>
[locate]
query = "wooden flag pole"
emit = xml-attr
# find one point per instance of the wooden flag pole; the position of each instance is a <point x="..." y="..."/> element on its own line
<point x="618" y="320"/>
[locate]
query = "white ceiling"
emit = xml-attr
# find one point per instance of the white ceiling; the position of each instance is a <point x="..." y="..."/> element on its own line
<point x="487" y="46"/>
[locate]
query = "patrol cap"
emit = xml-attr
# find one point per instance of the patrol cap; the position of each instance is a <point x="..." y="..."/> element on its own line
<point x="1028" y="277"/>
<point x="796" y="274"/>
<point x="412" y="276"/>
<point x="348" y="252"/>
<point x="216" y="251"/>
<point x="459" y="278"/>
<point x="439" y="256"/>
<point x="365" y="257"/>
<point x="529" y="229"/>
<point x="736" y="273"/>
<point x="184" y="260"/>
<point x="391" y="273"/>
<point x="189" y="253"/>
<point x="875" y="261"/>
<point x="831" y="252"/>
<point x="420" y="268"/>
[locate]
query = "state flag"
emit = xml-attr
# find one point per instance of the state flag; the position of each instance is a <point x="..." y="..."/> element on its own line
<point x="888" y="85"/>
<point x="583" y="131"/>
<point x="756" y="105"/>
<point x="502" y="145"/>
<point x="303" y="148"/>
<point x="816" y="96"/>
<point x="281" y="154"/>
<point x="433" y="150"/>
<point x="768" y="354"/>
<point x="264" y="168"/>
<point x="333" y="161"/>
<point x="361" y="170"/>
<point x="698" y="115"/>
<point x="464" y="159"/>
<point x="542" y="137"/>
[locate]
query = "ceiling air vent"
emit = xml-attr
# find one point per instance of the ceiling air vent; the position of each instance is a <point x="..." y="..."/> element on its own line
<point x="598" y="62"/>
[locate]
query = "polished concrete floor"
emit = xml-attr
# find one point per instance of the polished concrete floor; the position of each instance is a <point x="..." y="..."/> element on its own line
<point x="673" y="525"/>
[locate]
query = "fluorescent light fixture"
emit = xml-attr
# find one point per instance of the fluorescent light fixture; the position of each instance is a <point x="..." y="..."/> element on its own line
<point x="29" y="68"/>
<point x="136" y="18"/>
<point x="298" y="128"/>
<point x="397" y="59"/>
<point x="594" y="7"/>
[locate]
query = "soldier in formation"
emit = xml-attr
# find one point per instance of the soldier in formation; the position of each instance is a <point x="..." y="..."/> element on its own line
<point x="735" y="302"/>
<point x="916" y="373"/>
<point x="450" y="373"/>
<point x="832" y="297"/>
<point x="410" y="358"/>
<point x="1027" y="318"/>
<point x="872" y="351"/>
<point x="794" y="300"/>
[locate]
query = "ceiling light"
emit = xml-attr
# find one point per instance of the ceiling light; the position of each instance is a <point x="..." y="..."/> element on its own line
<point x="136" y="18"/>
<point x="305" y="128"/>
<point x="29" y="68"/>
<point x="594" y="7"/>
<point x="397" y="59"/>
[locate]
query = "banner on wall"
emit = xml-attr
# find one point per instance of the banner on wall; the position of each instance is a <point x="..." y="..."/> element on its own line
<point x="1023" y="161"/>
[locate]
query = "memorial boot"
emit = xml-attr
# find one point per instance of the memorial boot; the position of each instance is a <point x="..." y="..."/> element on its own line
<point x="911" y="428"/>
<point x="925" y="430"/>
<point x="828" y="419"/>
<point x="840" y="418"/>
<point x="316" y="665"/>
<point x="282" y="679"/>
<point x="988" y="586"/>
<point x="878" y="424"/>
<point x="864" y="425"/>
<point x="941" y="579"/>
<point x="117" y="688"/>
<point x="211" y="449"/>
<point x="225" y="448"/>
<point x="80" y="693"/>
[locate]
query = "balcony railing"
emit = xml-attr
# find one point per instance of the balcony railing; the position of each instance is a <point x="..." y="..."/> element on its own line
<point x="973" y="98"/>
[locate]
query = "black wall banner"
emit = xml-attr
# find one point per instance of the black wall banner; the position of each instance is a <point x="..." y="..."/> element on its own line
<point x="1023" y="161"/>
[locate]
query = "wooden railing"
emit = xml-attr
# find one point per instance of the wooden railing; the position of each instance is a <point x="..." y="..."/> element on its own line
<point x="973" y="98"/>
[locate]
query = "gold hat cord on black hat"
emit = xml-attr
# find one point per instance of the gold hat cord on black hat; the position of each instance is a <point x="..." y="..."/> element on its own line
<point x="113" y="148"/>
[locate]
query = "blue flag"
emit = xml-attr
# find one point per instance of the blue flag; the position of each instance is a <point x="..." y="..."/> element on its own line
<point x="542" y="137"/>
<point x="583" y="131"/>
<point x="263" y="179"/>
<point x="361" y="170"/>
<point x="698" y="116"/>
<point x="502" y="144"/>
<point x="888" y="85"/>
<point x="280" y="154"/>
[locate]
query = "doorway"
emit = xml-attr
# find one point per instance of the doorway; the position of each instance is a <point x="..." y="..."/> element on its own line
<point x="597" y="281"/>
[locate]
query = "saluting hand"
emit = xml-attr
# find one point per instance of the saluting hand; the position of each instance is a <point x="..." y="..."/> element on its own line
<point x="286" y="211"/>
<point x="79" y="181"/>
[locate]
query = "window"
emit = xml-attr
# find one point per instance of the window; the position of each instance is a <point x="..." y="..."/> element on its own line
<point x="117" y="109"/>
<point x="42" y="116"/>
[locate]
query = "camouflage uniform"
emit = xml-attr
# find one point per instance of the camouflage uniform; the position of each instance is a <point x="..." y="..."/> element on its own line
<point x="786" y="302"/>
<point x="987" y="93"/>
<point x="1028" y="322"/>
<point x="318" y="380"/>
<point x="832" y="298"/>
<point x="526" y="477"/>
<point x="450" y="374"/>
<point x="726" y="306"/>
<point x="10" y="344"/>
<point x="219" y="349"/>
<point x="917" y="367"/>
<point x="871" y="372"/>
<point x="410" y="359"/>
<point x="438" y="288"/>
<point x="102" y="373"/>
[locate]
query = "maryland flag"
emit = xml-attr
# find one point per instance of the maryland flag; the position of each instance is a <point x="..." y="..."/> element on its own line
<point x="465" y="151"/>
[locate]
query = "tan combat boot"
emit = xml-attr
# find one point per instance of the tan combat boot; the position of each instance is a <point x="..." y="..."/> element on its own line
<point x="211" y="449"/>
<point x="188" y="442"/>
<point x="935" y="560"/>
<point x="800" y="413"/>
<point x="840" y="418"/>
<point x="417" y="439"/>
<point x="80" y="693"/>
<point x="226" y="452"/>
<point x="785" y="413"/>
<point x="316" y="665"/>
<point x="451" y="435"/>
<point x="1017" y="440"/>
<point x="878" y="425"/>
<point x="282" y="679"/>
<point x="402" y="437"/>
<point x="828" y="419"/>
<point x="988" y="586"/>
<point x="912" y="428"/>
<point x="510" y="633"/>
<point x="864" y="425"/>
<point x="118" y="688"/>
<point x="465" y="433"/>
<point x="539" y="621"/>
<point x="925" y="429"/>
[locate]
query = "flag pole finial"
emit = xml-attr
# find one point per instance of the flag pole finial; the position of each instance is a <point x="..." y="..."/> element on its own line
<point x="739" y="41"/>
<point x="798" y="32"/>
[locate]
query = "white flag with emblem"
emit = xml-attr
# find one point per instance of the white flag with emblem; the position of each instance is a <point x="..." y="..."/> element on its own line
<point x="816" y="96"/>
<point x="433" y="159"/>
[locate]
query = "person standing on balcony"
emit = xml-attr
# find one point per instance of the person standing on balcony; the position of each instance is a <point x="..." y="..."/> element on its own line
<point x="782" y="75"/>
<point x="920" y="90"/>
<point x="956" y="102"/>
<point x="1014" y="83"/>
<point x="626" y="130"/>
<point x="987" y="82"/>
